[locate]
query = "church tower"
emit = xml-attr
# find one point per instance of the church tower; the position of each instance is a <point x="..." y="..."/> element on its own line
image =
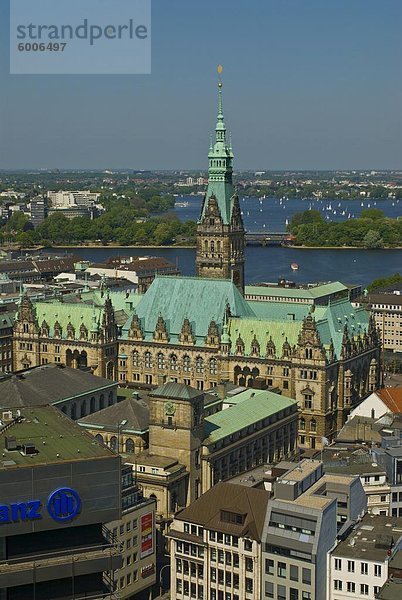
<point x="220" y="229"/>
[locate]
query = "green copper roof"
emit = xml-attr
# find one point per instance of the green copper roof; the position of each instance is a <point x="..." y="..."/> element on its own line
<point x="65" y="313"/>
<point x="263" y="330"/>
<point x="331" y="321"/>
<point x="220" y="182"/>
<point x="280" y="311"/>
<point x="308" y="294"/>
<point x="199" y="300"/>
<point x="260" y="406"/>
<point x="330" y="318"/>
<point x="119" y="299"/>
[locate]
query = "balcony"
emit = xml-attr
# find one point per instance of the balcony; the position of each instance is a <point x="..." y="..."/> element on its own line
<point x="71" y="562"/>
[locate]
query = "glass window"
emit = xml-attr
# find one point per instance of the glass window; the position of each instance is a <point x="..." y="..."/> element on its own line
<point x="294" y="573"/>
<point x="306" y="576"/>
<point x="282" y="569"/>
<point x="269" y="566"/>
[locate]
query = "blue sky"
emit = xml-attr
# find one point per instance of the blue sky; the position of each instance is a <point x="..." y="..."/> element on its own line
<point x="308" y="84"/>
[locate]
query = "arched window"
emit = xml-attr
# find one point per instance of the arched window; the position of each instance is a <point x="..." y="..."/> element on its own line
<point x="83" y="411"/>
<point x="99" y="438"/>
<point x="161" y="360"/>
<point x="199" y="364"/>
<point x="218" y="246"/>
<point x="135" y="358"/>
<point x="113" y="443"/>
<point x="213" y="366"/>
<point x="101" y="402"/>
<point x="148" y="360"/>
<point x="110" y="398"/>
<point x="309" y="353"/>
<point x="73" y="411"/>
<point x="93" y="405"/>
<point x="212" y="246"/>
<point x="313" y="425"/>
<point x="186" y="363"/>
<point x="302" y="424"/>
<point x="205" y="245"/>
<point x="173" y="362"/>
<point x="129" y="445"/>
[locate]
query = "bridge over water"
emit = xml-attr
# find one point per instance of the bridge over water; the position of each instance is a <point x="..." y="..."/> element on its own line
<point x="268" y="238"/>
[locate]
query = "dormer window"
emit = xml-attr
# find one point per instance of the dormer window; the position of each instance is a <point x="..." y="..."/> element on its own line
<point x="232" y="517"/>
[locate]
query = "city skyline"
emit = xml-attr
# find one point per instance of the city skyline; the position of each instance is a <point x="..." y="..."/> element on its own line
<point x="307" y="87"/>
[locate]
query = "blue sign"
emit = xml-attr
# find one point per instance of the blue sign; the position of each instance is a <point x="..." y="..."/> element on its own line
<point x="62" y="505"/>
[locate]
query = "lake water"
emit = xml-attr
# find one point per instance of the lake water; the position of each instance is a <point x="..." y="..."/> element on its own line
<point x="271" y="214"/>
<point x="271" y="263"/>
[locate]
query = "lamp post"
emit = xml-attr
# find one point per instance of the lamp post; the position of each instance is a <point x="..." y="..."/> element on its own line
<point x="119" y="426"/>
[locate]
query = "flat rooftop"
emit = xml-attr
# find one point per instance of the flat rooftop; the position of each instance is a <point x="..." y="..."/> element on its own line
<point x="55" y="438"/>
<point x="371" y="539"/>
<point x="301" y="470"/>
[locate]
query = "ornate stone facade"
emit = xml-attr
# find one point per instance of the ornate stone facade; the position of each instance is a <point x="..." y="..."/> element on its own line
<point x="77" y="335"/>
<point x="220" y="230"/>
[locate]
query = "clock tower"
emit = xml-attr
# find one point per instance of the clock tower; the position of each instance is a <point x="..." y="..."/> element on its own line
<point x="176" y="429"/>
<point x="220" y="229"/>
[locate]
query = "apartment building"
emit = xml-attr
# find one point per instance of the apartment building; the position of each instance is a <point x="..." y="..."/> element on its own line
<point x="355" y="459"/>
<point x="216" y="545"/>
<point x="387" y="311"/>
<point x="358" y="565"/>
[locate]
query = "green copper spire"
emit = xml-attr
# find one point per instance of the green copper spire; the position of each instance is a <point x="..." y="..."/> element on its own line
<point x="220" y="172"/>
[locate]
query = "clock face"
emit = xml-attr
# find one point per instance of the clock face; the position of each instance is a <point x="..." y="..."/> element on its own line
<point x="170" y="409"/>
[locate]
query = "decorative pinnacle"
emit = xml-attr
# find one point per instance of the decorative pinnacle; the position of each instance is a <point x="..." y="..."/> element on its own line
<point x="220" y="85"/>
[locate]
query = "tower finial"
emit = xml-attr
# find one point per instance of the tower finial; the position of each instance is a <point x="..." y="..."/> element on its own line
<point x="220" y="85"/>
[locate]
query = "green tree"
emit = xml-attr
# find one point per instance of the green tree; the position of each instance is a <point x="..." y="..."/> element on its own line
<point x="372" y="213"/>
<point x="373" y="239"/>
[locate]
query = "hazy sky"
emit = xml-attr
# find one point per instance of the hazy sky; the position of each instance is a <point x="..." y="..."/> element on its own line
<point x="308" y="84"/>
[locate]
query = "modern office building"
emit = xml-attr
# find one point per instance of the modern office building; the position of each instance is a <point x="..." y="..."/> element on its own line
<point x="38" y="210"/>
<point x="307" y="512"/>
<point x="358" y="565"/>
<point x="136" y="534"/>
<point x="216" y="545"/>
<point x="59" y="488"/>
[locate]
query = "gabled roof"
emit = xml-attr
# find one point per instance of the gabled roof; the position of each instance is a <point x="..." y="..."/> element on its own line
<point x="250" y="502"/>
<point x="134" y="412"/>
<point x="392" y="398"/>
<point x="199" y="300"/>
<point x="178" y="391"/>
<point x="48" y="384"/>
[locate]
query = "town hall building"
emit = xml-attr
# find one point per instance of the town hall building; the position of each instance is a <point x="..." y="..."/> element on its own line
<point x="201" y="331"/>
